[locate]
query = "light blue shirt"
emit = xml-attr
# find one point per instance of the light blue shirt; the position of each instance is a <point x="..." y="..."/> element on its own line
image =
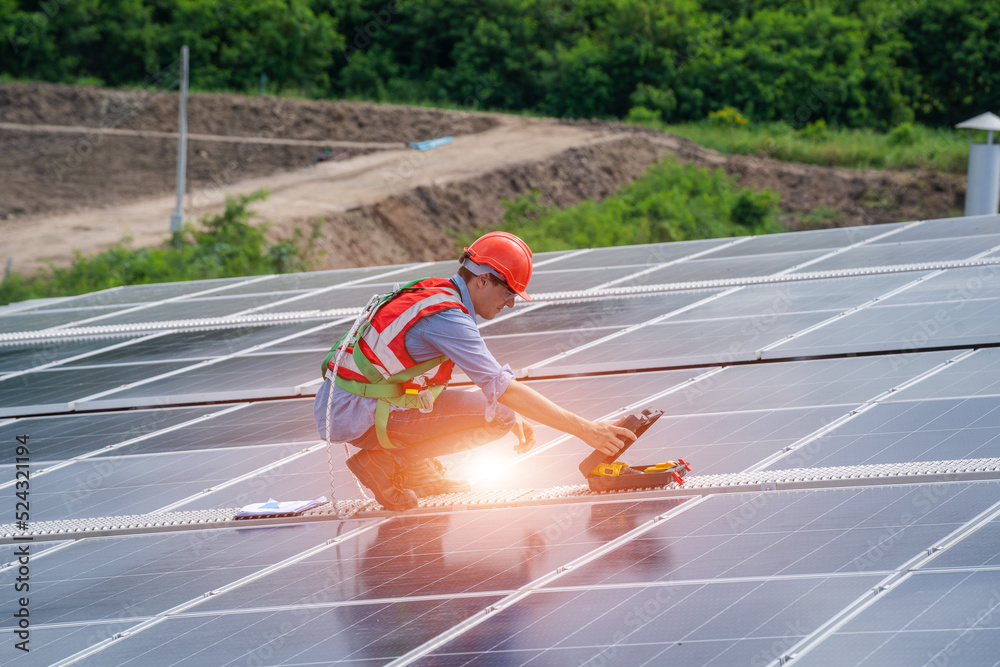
<point x="451" y="333"/>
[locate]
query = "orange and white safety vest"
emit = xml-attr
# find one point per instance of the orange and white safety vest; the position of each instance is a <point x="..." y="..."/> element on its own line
<point x="375" y="362"/>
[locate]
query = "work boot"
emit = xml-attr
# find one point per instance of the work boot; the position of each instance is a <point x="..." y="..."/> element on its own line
<point x="378" y="471"/>
<point x="427" y="478"/>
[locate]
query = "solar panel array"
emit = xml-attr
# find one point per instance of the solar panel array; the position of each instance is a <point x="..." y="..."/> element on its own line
<point x="864" y="347"/>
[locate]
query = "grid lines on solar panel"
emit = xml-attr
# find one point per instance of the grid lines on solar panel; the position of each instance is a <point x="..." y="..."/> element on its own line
<point x="904" y="327"/>
<point x="820" y="382"/>
<point x="61" y="437"/>
<point x="23" y="356"/>
<point x="721" y="623"/>
<point x="791" y="533"/>
<point x="903" y="432"/>
<point x="708" y="268"/>
<point x="236" y="378"/>
<point x="144" y="575"/>
<point x="371" y="634"/>
<point x="639" y="255"/>
<point x="947" y="228"/>
<point x="53" y="389"/>
<point x="147" y="483"/>
<point x="908" y="252"/>
<point x="459" y="553"/>
<point x="933" y="619"/>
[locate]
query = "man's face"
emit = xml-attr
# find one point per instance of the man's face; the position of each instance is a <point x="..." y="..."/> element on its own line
<point x="494" y="296"/>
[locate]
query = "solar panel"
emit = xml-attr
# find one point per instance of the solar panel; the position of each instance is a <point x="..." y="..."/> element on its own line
<point x="710" y="268"/>
<point x="947" y="228"/>
<point x="636" y="255"/>
<point x="858" y="363"/>
<point x="932" y="619"/>
<point x="792" y="242"/>
<point x="909" y="252"/>
<point x="23" y="356"/>
<point x="906" y="327"/>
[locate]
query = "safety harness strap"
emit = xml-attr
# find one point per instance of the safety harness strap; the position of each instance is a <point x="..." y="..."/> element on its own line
<point x="390" y="391"/>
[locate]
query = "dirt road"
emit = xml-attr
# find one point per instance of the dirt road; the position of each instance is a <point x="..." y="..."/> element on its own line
<point x="296" y="196"/>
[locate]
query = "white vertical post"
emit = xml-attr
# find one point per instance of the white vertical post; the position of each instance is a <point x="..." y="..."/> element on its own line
<point x="177" y="217"/>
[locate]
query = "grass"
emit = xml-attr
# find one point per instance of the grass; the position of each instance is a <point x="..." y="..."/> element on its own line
<point x="908" y="146"/>
<point x="226" y="246"/>
<point x="670" y="202"/>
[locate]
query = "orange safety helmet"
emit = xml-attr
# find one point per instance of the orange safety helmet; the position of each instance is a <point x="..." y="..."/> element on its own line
<point x="507" y="255"/>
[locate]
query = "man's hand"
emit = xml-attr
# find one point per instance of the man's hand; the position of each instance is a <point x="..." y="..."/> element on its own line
<point x="607" y="438"/>
<point x="525" y="433"/>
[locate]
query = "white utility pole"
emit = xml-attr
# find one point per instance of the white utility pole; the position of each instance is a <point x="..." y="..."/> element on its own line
<point x="177" y="217"/>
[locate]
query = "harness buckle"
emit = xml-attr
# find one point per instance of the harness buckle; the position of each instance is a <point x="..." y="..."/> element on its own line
<point x="426" y="399"/>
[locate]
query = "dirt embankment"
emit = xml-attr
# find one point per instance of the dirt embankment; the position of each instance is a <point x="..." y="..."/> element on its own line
<point x="84" y="167"/>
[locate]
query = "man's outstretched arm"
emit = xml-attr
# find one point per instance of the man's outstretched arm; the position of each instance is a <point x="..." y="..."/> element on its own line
<point x="602" y="436"/>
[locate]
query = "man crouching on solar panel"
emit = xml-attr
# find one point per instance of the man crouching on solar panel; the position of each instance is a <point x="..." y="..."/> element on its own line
<point x="392" y="368"/>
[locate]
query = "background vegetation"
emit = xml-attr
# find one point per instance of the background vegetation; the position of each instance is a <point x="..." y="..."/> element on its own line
<point x="671" y="202"/>
<point x="850" y="63"/>
<point x="226" y="246"/>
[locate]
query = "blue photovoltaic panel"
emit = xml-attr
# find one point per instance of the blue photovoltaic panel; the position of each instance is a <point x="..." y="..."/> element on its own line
<point x="636" y="256"/>
<point x="137" y="576"/>
<point x="953" y="285"/>
<point x="942" y="430"/>
<point x="447" y="554"/>
<point x="371" y="634"/>
<point x="946" y="228"/>
<point x="38" y="320"/>
<point x="349" y="296"/>
<point x="976" y="550"/>
<point x="300" y="478"/>
<point x="616" y="312"/>
<point x="975" y="375"/>
<point x="928" y="619"/>
<point x="910" y="252"/>
<point x="682" y="343"/>
<point x="543" y="281"/>
<point x="25" y="355"/>
<point x="138" y="294"/>
<point x="221" y="305"/>
<point x="237" y="378"/>
<point x="443" y="269"/>
<point x="786" y="533"/>
<point x="828" y="382"/>
<point x="261" y="423"/>
<point x="709" y="268"/>
<point x="53" y="389"/>
<point x="905" y="328"/>
<point x="795" y="241"/>
<point x="289" y="282"/>
<point x="143" y="484"/>
<point x="731" y="623"/>
<point x="196" y="344"/>
<point x="766" y="301"/>
<point x="725" y="578"/>
<point x="66" y="436"/>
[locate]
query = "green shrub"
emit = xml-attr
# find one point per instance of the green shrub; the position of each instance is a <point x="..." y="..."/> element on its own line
<point x="227" y="246"/>
<point x="903" y="134"/>
<point x="644" y="116"/>
<point x="727" y="116"/>
<point x="671" y="202"/>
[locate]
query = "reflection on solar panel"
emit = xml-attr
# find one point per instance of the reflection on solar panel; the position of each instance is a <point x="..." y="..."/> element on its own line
<point x="837" y="392"/>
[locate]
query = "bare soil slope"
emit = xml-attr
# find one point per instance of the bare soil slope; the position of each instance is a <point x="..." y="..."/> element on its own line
<point x="84" y="167"/>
